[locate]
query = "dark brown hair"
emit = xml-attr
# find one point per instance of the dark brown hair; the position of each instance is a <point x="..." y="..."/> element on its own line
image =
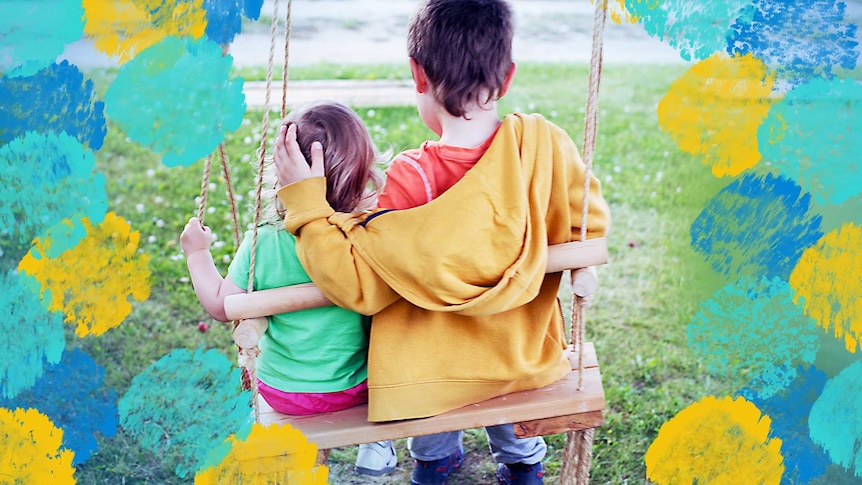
<point x="349" y="153"/>
<point x="465" y="48"/>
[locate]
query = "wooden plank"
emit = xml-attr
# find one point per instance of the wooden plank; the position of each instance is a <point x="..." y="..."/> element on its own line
<point x="349" y="427"/>
<point x="560" y="424"/>
<point x="571" y="255"/>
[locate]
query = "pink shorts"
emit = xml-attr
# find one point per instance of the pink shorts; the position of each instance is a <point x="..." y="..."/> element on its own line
<point x="313" y="402"/>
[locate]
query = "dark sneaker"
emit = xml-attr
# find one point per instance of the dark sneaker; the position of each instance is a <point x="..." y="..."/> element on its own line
<point x="436" y="472"/>
<point x="520" y="474"/>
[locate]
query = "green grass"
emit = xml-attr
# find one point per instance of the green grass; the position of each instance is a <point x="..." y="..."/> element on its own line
<point x="648" y="293"/>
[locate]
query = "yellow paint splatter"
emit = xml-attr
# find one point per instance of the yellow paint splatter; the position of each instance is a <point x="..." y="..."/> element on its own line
<point x="716" y="441"/>
<point x="620" y="15"/>
<point x="90" y="283"/>
<point x="124" y="28"/>
<point x="828" y="282"/>
<point x="32" y="451"/>
<point x="715" y="109"/>
<point x="274" y="454"/>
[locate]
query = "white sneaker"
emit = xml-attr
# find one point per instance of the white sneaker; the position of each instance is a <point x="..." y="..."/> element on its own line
<point x="376" y="458"/>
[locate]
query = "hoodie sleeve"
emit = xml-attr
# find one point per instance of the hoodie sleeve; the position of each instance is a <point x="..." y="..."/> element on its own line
<point x="325" y="252"/>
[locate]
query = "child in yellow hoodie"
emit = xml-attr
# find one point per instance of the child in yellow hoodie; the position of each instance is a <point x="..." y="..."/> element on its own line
<point x="454" y="276"/>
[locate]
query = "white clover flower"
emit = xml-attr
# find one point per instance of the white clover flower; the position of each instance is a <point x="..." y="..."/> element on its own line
<point x="212" y="186"/>
<point x="177" y="257"/>
<point x="678" y="190"/>
<point x="151" y="173"/>
<point x="370" y="113"/>
<point x="158" y="199"/>
<point x="246" y="158"/>
<point x="617" y="169"/>
<point x="210" y="210"/>
<point x="184" y="279"/>
<point x="218" y="244"/>
<point x="659" y="175"/>
<point x="247" y="140"/>
<point x="225" y="259"/>
<point x="140" y="208"/>
<point x="160" y="223"/>
<point x="151" y="239"/>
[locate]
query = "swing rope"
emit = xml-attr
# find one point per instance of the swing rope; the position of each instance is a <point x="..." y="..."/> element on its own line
<point x="248" y="356"/>
<point x="578" y="452"/>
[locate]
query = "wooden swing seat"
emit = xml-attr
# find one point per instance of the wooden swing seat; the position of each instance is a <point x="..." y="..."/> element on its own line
<point x="556" y="408"/>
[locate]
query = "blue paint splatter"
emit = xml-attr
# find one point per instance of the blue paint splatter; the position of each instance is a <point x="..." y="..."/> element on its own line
<point x="35" y="33"/>
<point x="73" y="395"/>
<point x="801" y="39"/>
<point x="32" y="336"/>
<point x="836" y="418"/>
<point x="789" y="409"/>
<point x="753" y="326"/>
<point x="812" y="136"/>
<point x="177" y="99"/>
<point x="757" y="225"/>
<point x="192" y="397"/>
<point x="54" y="99"/>
<point x="697" y="29"/>
<point x="224" y="18"/>
<point x="47" y="178"/>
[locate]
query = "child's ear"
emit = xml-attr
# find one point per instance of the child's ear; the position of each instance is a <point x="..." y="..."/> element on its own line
<point x="507" y="83"/>
<point x="419" y="77"/>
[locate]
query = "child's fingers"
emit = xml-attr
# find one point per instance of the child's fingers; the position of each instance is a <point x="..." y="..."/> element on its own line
<point x="316" y="159"/>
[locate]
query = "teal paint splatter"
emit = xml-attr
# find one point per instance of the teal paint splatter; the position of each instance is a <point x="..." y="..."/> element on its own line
<point x="836" y="418"/>
<point x="32" y="336"/>
<point x="753" y="325"/>
<point x="82" y="410"/>
<point x="35" y="33"/>
<point x="54" y="99"/>
<point x="696" y="29"/>
<point x="799" y="39"/>
<point x="788" y="410"/>
<point x="756" y="226"/>
<point x="177" y="99"/>
<point x="193" y="398"/>
<point x="812" y="137"/>
<point x="47" y="178"/>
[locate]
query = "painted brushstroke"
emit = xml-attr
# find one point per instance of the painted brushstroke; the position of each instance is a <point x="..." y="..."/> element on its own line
<point x="799" y="40"/>
<point x="224" y="18"/>
<point x="715" y="441"/>
<point x="73" y="396"/>
<point x="828" y="283"/>
<point x="32" y="337"/>
<point x="198" y="411"/>
<point x="177" y="99"/>
<point x="789" y="410"/>
<point x="812" y="136"/>
<point x="125" y="28"/>
<point x="714" y="110"/>
<point x="91" y="283"/>
<point x="54" y="99"/>
<point x="270" y="454"/>
<point x="29" y="46"/>
<point x="47" y="178"/>
<point x="752" y="327"/>
<point x="696" y="29"/>
<point x="38" y="455"/>
<point x="757" y="225"/>
<point x="836" y="418"/>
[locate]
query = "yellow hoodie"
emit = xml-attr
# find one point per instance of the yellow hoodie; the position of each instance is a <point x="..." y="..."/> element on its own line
<point x="463" y="310"/>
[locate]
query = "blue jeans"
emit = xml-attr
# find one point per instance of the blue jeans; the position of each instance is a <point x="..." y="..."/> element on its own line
<point x="505" y="447"/>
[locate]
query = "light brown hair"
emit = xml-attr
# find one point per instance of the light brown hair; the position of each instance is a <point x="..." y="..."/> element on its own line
<point x="350" y="157"/>
<point x="464" y="47"/>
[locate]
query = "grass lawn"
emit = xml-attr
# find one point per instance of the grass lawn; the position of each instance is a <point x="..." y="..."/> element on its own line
<point x="648" y="293"/>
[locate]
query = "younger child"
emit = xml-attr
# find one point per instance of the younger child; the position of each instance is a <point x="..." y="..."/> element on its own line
<point x="315" y="360"/>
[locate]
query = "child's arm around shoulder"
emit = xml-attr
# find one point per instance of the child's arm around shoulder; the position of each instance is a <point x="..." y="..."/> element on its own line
<point x="210" y="288"/>
<point x="324" y="250"/>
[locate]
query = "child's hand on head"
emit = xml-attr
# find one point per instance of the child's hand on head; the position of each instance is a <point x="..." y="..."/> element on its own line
<point x="195" y="237"/>
<point x="290" y="164"/>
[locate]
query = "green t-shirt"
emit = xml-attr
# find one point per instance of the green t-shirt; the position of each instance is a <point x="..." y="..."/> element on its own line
<point x="315" y="350"/>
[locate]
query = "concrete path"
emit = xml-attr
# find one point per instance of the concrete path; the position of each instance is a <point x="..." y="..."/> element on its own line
<point x="355" y="93"/>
